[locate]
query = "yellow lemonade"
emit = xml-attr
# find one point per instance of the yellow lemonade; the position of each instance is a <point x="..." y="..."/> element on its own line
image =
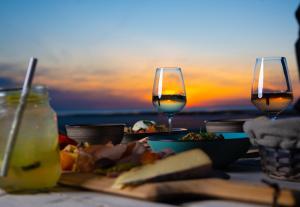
<point x="34" y="162"/>
<point x="32" y="168"/>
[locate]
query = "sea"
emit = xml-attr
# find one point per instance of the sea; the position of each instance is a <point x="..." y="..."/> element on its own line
<point x="190" y="119"/>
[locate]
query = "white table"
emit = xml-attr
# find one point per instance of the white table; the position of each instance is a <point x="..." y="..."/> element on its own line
<point x="244" y="170"/>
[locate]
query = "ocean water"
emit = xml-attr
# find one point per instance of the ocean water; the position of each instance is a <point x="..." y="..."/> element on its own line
<point x="191" y="120"/>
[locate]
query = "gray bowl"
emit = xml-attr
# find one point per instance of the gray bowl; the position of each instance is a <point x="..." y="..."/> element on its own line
<point x="230" y="125"/>
<point x="96" y="134"/>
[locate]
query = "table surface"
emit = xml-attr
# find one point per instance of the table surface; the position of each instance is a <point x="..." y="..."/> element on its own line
<point x="247" y="170"/>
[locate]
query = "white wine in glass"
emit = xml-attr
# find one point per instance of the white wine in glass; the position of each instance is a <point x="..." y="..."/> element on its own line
<point x="168" y="94"/>
<point x="271" y="88"/>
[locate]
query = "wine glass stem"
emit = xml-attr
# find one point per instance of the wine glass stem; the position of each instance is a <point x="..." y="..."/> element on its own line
<point x="274" y="118"/>
<point x="170" y="117"/>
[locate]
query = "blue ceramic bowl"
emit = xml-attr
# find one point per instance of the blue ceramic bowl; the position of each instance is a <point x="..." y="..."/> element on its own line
<point x="222" y="152"/>
<point x="233" y="135"/>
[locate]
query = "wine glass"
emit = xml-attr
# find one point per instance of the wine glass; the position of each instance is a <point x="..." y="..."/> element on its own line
<point x="271" y="87"/>
<point x="168" y="94"/>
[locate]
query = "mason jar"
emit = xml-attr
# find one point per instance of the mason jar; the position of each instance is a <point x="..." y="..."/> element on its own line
<point x="35" y="161"/>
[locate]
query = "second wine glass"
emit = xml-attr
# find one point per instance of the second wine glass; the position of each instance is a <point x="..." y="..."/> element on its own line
<point x="271" y="88"/>
<point x="168" y="94"/>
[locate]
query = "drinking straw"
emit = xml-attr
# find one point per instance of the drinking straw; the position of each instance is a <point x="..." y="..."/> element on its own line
<point x="18" y="117"/>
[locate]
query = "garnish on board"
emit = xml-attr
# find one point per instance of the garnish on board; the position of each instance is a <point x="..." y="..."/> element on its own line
<point x="64" y="140"/>
<point x="192" y="136"/>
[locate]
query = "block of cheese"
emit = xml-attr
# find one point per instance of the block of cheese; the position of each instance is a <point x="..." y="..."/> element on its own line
<point x="186" y="165"/>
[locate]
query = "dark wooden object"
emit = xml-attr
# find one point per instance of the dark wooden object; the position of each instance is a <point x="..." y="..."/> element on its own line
<point x="298" y="40"/>
<point x="297" y="47"/>
<point x="162" y="191"/>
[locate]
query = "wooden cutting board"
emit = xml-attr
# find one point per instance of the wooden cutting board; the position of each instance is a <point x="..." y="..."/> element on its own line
<point x="208" y="187"/>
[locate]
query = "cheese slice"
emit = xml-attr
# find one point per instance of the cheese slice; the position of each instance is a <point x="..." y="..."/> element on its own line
<point x="189" y="164"/>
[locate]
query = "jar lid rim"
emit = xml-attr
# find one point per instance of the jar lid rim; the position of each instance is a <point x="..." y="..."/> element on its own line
<point x="34" y="87"/>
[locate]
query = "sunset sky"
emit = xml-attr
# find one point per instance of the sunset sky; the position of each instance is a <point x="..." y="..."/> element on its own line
<point x="100" y="54"/>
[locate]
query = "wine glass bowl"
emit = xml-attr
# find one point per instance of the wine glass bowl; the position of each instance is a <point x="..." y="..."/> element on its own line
<point x="168" y="95"/>
<point x="271" y="87"/>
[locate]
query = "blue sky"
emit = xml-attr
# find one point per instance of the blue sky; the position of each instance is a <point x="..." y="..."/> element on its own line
<point x="72" y="25"/>
<point x="92" y="47"/>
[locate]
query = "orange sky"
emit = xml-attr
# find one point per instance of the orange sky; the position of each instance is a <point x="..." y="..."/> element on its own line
<point x="206" y="85"/>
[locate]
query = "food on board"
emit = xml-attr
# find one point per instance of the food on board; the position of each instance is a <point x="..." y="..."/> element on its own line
<point x="108" y="159"/>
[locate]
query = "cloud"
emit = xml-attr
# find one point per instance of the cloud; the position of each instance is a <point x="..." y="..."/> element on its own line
<point x="109" y="87"/>
<point x="8" y="83"/>
<point x="11" y="75"/>
<point x="7" y="67"/>
<point x="101" y="100"/>
<point x="230" y="102"/>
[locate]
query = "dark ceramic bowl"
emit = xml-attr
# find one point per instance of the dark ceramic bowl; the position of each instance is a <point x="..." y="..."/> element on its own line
<point x="222" y="152"/>
<point x="129" y="137"/>
<point x="96" y="134"/>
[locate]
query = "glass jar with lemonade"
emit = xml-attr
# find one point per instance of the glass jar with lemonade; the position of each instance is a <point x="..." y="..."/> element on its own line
<point x="35" y="161"/>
